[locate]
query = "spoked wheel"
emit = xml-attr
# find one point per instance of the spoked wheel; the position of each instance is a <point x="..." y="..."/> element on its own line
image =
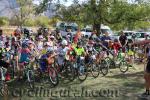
<point x="104" y="67"/>
<point x="95" y="70"/>
<point x="53" y="76"/>
<point x="31" y="79"/>
<point x="110" y="62"/>
<point x="70" y="71"/>
<point x="4" y="89"/>
<point x="123" y="66"/>
<point x="82" y="73"/>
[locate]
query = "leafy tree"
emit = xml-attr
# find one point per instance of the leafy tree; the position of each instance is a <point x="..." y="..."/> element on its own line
<point x="24" y="11"/>
<point x="119" y="14"/>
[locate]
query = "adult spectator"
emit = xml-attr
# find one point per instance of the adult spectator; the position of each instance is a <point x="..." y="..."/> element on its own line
<point x="106" y="41"/>
<point x="123" y="40"/>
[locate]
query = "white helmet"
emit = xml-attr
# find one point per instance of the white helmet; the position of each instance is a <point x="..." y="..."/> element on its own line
<point x="46" y="44"/>
<point x="64" y="42"/>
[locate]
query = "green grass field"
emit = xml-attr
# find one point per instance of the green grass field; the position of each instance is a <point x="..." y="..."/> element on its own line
<point x="128" y="86"/>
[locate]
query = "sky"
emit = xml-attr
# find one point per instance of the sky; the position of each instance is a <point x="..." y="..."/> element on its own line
<point x="68" y="3"/>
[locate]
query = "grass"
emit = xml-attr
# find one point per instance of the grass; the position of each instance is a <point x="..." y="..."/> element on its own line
<point x="128" y="86"/>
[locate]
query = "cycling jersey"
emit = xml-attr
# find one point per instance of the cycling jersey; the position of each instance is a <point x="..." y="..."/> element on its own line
<point x="43" y="62"/>
<point x="25" y="55"/>
<point x="79" y="51"/>
<point x="43" y="51"/>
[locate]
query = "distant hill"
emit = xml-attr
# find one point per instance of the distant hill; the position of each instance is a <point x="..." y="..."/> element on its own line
<point x="7" y="7"/>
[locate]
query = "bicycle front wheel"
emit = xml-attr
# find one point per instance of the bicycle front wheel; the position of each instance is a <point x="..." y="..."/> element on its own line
<point x="95" y="70"/>
<point x="82" y="73"/>
<point x="4" y="89"/>
<point x="31" y="78"/>
<point x="123" y="66"/>
<point x="53" y="76"/>
<point x="104" y="67"/>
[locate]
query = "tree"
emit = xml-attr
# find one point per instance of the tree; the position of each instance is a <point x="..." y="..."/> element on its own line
<point x="119" y="14"/>
<point x="24" y="11"/>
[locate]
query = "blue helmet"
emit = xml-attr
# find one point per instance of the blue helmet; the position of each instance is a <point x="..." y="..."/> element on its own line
<point x="24" y="45"/>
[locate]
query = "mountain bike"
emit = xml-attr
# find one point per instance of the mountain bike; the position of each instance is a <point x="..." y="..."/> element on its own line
<point x="120" y="62"/>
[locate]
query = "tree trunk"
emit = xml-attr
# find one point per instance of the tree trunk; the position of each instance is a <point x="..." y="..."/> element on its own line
<point x="97" y="28"/>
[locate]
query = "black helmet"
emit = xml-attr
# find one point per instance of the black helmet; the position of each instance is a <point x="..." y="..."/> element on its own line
<point x="79" y="43"/>
<point x="116" y="40"/>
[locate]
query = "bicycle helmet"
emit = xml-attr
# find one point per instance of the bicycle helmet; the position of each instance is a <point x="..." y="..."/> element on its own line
<point x="116" y="40"/>
<point x="50" y="51"/>
<point x="46" y="44"/>
<point x="24" y="45"/>
<point x="64" y="42"/>
<point x="79" y="44"/>
<point x="40" y="37"/>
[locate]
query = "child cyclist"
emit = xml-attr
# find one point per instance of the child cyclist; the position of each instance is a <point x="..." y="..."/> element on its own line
<point x="130" y="52"/>
<point x="116" y="47"/>
<point x="25" y="54"/>
<point x="47" y="59"/>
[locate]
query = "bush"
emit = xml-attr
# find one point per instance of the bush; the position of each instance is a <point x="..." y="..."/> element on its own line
<point x="4" y="21"/>
<point x="29" y="22"/>
<point x="42" y="21"/>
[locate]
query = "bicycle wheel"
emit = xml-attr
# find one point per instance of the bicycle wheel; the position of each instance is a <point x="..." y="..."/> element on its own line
<point x="104" y="67"/>
<point x="31" y="79"/>
<point x="4" y="89"/>
<point x="110" y="62"/>
<point x="53" y="76"/>
<point x="70" y="71"/>
<point x="123" y="66"/>
<point x="82" y="72"/>
<point x="95" y="70"/>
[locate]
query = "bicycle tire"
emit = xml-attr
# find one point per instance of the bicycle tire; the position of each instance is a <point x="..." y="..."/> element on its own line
<point x="126" y="66"/>
<point x="110" y="63"/>
<point x="85" y="73"/>
<point x="53" y="76"/>
<point x="70" y="71"/>
<point x="4" y="89"/>
<point x="31" y="79"/>
<point x="104" y="67"/>
<point x="95" y="69"/>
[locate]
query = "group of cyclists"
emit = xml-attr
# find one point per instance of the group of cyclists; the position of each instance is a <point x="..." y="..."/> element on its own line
<point x="50" y="47"/>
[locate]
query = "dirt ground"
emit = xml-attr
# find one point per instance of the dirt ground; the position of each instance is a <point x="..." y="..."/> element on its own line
<point x="114" y="86"/>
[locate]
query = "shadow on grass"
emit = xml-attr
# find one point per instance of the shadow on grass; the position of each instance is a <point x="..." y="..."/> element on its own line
<point x="126" y="75"/>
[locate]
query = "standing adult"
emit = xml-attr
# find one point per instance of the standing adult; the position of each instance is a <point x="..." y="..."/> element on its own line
<point x="106" y="41"/>
<point x="123" y="41"/>
<point x="147" y="71"/>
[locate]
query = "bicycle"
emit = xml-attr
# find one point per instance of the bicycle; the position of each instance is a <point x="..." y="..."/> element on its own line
<point x="50" y="73"/>
<point x="101" y="61"/>
<point x="120" y="62"/>
<point x="3" y="85"/>
<point x="68" y="71"/>
<point x="28" y="73"/>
